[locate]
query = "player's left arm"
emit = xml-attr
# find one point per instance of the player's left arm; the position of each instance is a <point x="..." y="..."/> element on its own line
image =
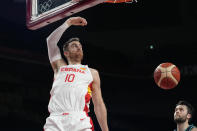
<point x="194" y="129"/>
<point x="99" y="106"/>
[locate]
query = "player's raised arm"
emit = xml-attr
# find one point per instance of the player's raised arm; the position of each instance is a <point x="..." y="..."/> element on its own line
<point x="53" y="50"/>
<point x="99" y="106"/>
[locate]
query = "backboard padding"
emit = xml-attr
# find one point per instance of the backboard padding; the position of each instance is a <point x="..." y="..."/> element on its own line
<point x="36" y="20"/>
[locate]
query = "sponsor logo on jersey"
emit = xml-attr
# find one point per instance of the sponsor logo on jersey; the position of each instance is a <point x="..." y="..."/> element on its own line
<point x="73" y="70"/>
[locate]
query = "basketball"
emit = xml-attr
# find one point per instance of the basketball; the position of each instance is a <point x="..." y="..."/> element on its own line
<point x="167" y="76"/>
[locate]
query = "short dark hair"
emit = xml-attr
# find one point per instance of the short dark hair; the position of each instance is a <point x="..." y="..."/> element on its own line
<point x="65" y="45"/>
<point x="190" y="108"/>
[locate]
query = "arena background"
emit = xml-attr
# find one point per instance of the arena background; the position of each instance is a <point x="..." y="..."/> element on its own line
<point x="125" y="42"/>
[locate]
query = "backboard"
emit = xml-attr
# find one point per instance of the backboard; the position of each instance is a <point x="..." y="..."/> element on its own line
<point x="43" y="12"/>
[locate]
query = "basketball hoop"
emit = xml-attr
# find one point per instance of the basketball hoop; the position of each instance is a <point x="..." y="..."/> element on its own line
<point x="120" y="1"/>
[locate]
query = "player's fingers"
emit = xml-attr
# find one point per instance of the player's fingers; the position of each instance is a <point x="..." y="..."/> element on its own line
<point x="83" y="21"/>
<point x="78" y="21"/>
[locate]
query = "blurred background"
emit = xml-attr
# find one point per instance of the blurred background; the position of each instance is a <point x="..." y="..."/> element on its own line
<point x="124" y="42"/>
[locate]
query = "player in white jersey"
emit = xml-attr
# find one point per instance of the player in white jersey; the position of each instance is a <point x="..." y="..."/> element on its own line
<point x="73" y="87"/>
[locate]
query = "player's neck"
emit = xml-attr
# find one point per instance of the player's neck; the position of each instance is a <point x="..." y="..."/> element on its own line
<point x="74" y="62"/>
<point x="182" y="126"/>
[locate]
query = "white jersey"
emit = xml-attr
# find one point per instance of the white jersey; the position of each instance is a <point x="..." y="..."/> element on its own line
<point x="71" y="90"/>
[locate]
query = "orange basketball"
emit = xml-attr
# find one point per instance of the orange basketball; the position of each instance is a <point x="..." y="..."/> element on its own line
<point x="167" y="76"/>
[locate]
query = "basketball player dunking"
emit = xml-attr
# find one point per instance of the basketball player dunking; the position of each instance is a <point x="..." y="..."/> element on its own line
<point x="74" y="85"/>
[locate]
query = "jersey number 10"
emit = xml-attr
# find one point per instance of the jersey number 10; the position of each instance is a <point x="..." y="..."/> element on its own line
<point x="70" y="77"/>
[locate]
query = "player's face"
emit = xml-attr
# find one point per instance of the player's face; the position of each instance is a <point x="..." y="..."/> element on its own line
<point x="181" y="114"/>
<point x="75" y="51"/>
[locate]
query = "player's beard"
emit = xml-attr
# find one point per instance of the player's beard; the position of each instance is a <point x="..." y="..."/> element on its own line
<point x="76" y="57"/>
<point x="180" y="120"/>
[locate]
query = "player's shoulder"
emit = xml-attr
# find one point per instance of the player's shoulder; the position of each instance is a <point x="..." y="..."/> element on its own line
<point x="194" y="129"/>
<point x="93" y="71"/>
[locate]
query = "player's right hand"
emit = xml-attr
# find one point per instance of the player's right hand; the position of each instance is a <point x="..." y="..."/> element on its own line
<point x="78" y="21"/>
